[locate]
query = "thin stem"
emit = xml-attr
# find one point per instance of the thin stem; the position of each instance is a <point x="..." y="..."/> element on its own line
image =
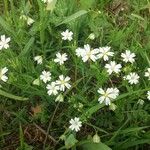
<point x="49" y="126"/>
<point x="43" y="131"/>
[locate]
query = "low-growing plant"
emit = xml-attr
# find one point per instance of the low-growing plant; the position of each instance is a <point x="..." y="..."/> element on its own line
<point x="74" y="74"/>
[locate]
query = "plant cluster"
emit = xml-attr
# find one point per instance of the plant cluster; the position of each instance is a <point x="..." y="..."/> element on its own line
<point x="66" y="69"/>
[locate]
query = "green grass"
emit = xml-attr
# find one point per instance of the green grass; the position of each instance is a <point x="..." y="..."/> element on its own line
<point x="125" y="128"/>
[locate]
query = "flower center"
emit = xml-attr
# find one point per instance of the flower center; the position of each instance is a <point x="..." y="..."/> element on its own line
<point x="62" y="82"/>
<point x="76" y="123"/>
<point x="106" y="95"/>
<point x="89" y="54"/>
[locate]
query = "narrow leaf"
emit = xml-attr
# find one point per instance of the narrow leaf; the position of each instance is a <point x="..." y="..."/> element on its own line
<point x="11" y="96"/>
<point x="5" y="25"/>
<point x="27" y="46"/>
<point x="73" y="17"/>
<point x="137" y="16"/>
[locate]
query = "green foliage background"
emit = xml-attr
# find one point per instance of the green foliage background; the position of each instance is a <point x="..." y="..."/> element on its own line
<point x="120" y="24"/>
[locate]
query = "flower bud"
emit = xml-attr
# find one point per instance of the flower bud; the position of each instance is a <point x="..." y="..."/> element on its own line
<point x="112" y="107"/>
<point x="80" y="105"/>
<point x="96" y="138"/>
<point x="59" y="98"/>
<point x="92" y="36"/>
<point x="140" y="101"/>
<point x="62" y="137"/>
<point x="36" y="82"/>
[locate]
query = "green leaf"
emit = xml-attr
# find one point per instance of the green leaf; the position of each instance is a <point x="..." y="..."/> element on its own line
<point x="137" y="16"/>
<point x="86" y="4"/>
<point x="131" y="129"/>
<point x="5" y="25"/>
<point x="132" y="143"/>
<point x="91" y="111"/>
<point x="11" y="96"/>
<point x="73" y="17"/>
<point x="70" y="141"/>
<point x="27" y="147"/>
<point x="147" y="6"/>
<point x="3" y="134"/>
<point x="21" y="137"/>
<point x="28" y="46"/>
<point x="94" y="146"/>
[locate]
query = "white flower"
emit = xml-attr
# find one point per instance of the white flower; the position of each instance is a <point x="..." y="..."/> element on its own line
<point x="75" y="124"/>
<point x="107" y="95"/>
<point x="148" y="95"/>
<point x="89" y="54"/>
<point x="105" y="53"/>
<point x="147" y="73"/>
<point x="59" y="98"/>
<point x="45" y="76"/>
<point x="80" y="52"/>
<point x="133" y="78"/>
<point x="63" y="82"/>
<point x="92" y="36"/>
<point x="52" y="88"/>
<point x="113" y="67"/>
<point x="128" y="56"/>
<point x="3" y="72"/>
<point x="61" y="58"/>
<point x="4" y="42"/>
<point x="67" y="35"/>
<point x="38" y="59"/>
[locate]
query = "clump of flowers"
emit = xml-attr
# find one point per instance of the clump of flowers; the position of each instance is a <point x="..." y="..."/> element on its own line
<point x="57" y="85"/>
<point x="88" y="53"/>
<point x="107" y="96"/>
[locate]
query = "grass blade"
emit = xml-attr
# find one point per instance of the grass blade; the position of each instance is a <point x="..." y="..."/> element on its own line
<point x="27" y="46"/>
<point x="73" y="17"/>
<point x="11" y="96"/>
